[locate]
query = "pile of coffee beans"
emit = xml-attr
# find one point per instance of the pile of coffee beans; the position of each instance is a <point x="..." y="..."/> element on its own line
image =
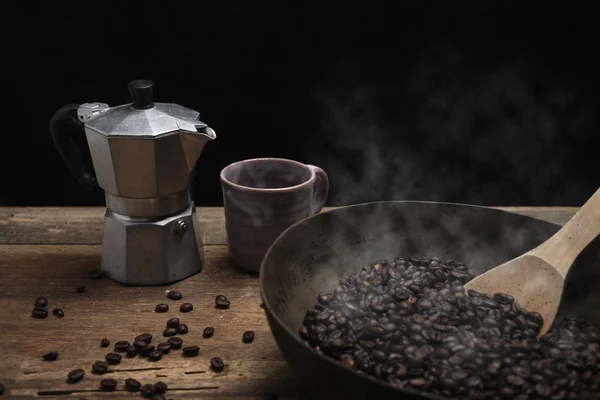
<point x="411" y="323"/>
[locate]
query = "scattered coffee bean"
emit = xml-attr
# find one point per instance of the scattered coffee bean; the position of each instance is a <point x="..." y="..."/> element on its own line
<point x="76" y="375"/>
<point x="147" y="389"/>
<point x="186" y="307"/>
<point x="147" y="350"/>
<point x="97" y="274"/>
<point x="80" y="289"/>
<point x="160" y="387"/>
<point x="122" y="345"/>
<point x="59" y="313"/>
<point x="222" y="302"/>
<point x="208" y="332"/>
<point x="132" y="385"/>
<point x="182" y="329"/>
<point x="104" y="342"/>
<point x="248" y="337"/>
<point x="175" y="343"/>
<point x="217" y="364"/>
<point x="100" y="367"/>
<point x="41" y="302"/>
<point x="132" y="351"/>
<point x="172" y="323"/>
<point x="161" y="308"/>
<point x="140" y="344"/>
<point x="155" y="355"/>
<point x="170" y="332"/>
<point x="51" y="356"/>
<point x="174" y="295"/>
<point x="164" y="347"/>
<point x="145" y="337"/>
<point x="113" y="358"/>
<point x="108" y="384"/>
<point x="191" y="351"/>
<point x="1" y="389"/>
<point x="39" y="312"/>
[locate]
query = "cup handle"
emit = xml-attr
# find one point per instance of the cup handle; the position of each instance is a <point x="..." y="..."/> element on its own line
<point x="321" y="189"/>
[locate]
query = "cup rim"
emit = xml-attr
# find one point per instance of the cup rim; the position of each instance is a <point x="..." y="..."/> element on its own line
<point x="267" y="190"/>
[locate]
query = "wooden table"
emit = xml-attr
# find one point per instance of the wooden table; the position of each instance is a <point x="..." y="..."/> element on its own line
<point x="51" y="251"/>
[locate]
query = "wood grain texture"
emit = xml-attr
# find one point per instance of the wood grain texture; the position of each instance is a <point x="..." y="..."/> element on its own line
<point x="83" y="225"/>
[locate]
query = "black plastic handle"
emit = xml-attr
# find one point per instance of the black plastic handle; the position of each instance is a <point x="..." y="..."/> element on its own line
<point x="65" y="127"/>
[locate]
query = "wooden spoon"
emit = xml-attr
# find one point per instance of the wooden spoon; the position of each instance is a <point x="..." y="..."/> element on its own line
<point x="536" y="278"/>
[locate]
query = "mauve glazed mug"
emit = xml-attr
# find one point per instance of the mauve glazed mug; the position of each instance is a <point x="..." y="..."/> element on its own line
<point x="262" y="198"/>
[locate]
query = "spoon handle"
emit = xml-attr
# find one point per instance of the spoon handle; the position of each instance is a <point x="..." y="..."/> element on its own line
<point x="562" y="249"/>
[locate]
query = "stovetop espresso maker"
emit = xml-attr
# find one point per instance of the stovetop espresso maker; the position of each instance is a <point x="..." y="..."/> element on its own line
<point x="143" y="154"/>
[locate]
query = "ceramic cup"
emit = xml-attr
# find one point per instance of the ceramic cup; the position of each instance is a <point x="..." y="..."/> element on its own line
<point x="262" y="198"/>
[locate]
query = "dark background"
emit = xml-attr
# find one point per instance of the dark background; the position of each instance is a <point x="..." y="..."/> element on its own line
<point x="492" y="102"/>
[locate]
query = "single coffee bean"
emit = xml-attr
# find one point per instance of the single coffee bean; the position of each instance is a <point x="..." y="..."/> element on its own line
<point x="191" y="351"/>
<point x="248" y="337"/>
<point x="80" y="289"/>
<point x="155" y="355"/>
<point x="122" y="345"/>
<point x="161" y="308"/>
<point x="186" y="307"/>
<point x="104" y="342"/>
<point x="175" y="343"/>
<point x="147" y="389"/>
<point x="97" y="274"/>
<point x="100" y="367"/>
<point x="132" y="351"/>
<point x="174" y="295"/>
<point x="113" y="358"/>
<point x="59" y="313"/>
<point x="222" y="302"/>
<point x="140" y="344"/>
<point x="132" y="385"/>
<point x="217" y="364"/>
<point x="147" y="350"/>
<point x="160" y="387"/>
<point x="145" y="337"/>
<point x="51" y="356"/>
<point x="182" y="329"/>
<point x="108" y="384"/>
<point x="41" y="302"/>
<point x="172" y="323"/>
<point x="76" y="375"/>
<point x="170" y="332"/>
<point x="39" y="313"/>
<point x="164" y="347"/>
<point x="208" y="332"/>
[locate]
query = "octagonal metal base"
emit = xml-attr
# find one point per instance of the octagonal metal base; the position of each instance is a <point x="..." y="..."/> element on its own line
<point x="139" y="251"/>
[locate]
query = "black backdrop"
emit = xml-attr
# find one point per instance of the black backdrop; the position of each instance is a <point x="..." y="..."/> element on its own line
<point x="487" y="102"/>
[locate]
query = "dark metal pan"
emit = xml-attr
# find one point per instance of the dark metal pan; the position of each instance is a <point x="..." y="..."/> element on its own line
<point x="311" y="256"/>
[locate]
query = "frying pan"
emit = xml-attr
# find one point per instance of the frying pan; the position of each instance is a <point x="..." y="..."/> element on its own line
<point x="313" y="255"/>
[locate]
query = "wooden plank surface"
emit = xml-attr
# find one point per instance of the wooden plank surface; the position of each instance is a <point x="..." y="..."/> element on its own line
<point x="83" y="225"/>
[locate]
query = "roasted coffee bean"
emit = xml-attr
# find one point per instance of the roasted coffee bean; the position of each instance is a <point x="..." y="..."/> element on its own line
<point x="175" y="343"/>
<point x="41" y="302"/>
<point x="161" y="308"/>
<point x="39" y="312"/>
<point x="76" y="375"/>
<point x="160" y="387"/>
<point x="248" y="337"/>
<point x="208" y="332"/>
<point x="155" y="355"/>
<point x="182" y="329"/>
<point x="100" y="367"/>
<point x="108" y="384"/>
<point x="144" y="337"/>
<point x="59" y="313"/>
<point x="51" y="356"/>
<point x="221" y="302"/>
<point x="164" y="347"/>
<point x="174" y="295"/>
<point x="132" y="351"/>
<point x="191" y="351"/>
<point x="172" y="323"/>
<point x="217" y="364"/>
<point x="96" y="274"/>
<point x="140" y="344"/>
<point x="132" y="385"/>
<point x="80" y="289"/>
<point x="170" y="332"/>
<point x="147" y="390"/>
<point x="113" y="358"/>
<point x="104" y="342"/>
<point x="147" y="350"/>
<point x="186" y="307"/>
<point x="121" y="346"/>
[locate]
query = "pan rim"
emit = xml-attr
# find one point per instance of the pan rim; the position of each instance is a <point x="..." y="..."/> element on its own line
<point x="268" y="308"/>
